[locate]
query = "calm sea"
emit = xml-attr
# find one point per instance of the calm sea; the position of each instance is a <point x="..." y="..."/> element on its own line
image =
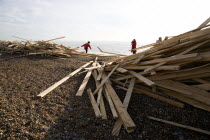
<point x="119" y="47"/>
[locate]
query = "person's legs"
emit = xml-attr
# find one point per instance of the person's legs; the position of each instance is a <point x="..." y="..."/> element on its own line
<point x="86" y="50"/>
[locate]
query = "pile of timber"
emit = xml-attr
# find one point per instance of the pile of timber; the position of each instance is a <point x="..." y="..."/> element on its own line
<point x="178" y="67"/>
<point x="39" y="47"/>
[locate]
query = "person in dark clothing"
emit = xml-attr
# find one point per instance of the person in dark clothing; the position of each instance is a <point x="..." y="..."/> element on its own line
<point x="86" y="46"/>
<point x="133" y="44"/>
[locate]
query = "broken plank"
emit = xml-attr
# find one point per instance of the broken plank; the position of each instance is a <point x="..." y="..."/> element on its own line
<point x="45" y="92"/>
<point x="180" y="125"/>
<point x="94" y="104"/>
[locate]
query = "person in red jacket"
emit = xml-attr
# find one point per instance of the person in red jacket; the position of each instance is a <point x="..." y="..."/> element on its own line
<point x="86" y="46"/>
<point x="133" y="44"/>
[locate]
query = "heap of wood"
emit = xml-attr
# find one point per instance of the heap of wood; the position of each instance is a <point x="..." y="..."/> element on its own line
<point x="178" y="68"/>
<point x="39" y="47"/>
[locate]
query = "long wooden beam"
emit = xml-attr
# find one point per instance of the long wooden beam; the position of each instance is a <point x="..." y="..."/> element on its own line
<point x="45" y="92"/>
<point x="204" y="23"/>
<point x="119" y="123"/>
<point x="94" y="104"/>
<point x="110" y="52"/>
<point x="180" y="125"/>
<point x="54" y="39"/>
<point x="84" y="83"/>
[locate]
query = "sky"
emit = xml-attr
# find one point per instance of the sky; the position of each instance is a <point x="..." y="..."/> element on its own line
<point x="100" y="20"/>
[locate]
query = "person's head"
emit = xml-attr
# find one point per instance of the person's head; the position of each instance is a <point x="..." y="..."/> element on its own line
<point x="89" y="42"/>
<point x="134" y="39"/>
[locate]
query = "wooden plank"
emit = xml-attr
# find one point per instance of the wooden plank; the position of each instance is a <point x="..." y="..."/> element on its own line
<point x="110" y="52"/>
<point x="138" y="59"/>
<point x="167" y="67"/>
<point x="142" y="78"/>
<point x="204" y="23"/>
<point x="187" y="100"/>
<point x="187" y="91"/>
<point x="100" y="71"/>
<point x="156" y="96"/>
<point x="203" y="86"/>
<point x="119" y="123"/>
<point x="84" y="83"/>
<point x="169" y="59"/>
<point x="122" y="70"/>
<point x="193" y="47"/>
<point x="112" y="107"/>
<point x="104" y="80"/>
<point x="94" y="73"/>
<point x="155" y="66"/>
<point x="181" y="73"/>
<point x="102" y="108"/>
<point x="94" y="104"/>
<point x="180" y="125"/>
<point x="45" y="92"/>
<point x="99" y="95"/>
<point x="123" y="114"/>
<point x="202" y="81"/>
<point x="54" y="39"/>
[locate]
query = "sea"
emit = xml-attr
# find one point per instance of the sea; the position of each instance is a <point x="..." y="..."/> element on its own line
<point x="119" y="47"/>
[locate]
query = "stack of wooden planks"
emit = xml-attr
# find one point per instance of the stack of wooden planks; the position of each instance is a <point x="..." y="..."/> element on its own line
<point x="178" y="67"/>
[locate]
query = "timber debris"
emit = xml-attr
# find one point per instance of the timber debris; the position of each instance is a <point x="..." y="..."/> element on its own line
<point x="39" y="48"/>
<point x="175" y="70"/>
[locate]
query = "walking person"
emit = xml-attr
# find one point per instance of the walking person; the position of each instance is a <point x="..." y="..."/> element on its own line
<point x="133" y="44"/>
<point x="86" y="46"/>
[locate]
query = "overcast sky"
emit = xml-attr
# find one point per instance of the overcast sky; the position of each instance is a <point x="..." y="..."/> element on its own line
<point x="100" y="20"/>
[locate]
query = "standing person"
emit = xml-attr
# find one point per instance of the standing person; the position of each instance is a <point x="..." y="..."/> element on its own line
<point x="133" y="44"/>
<point x="86" y="46"/>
